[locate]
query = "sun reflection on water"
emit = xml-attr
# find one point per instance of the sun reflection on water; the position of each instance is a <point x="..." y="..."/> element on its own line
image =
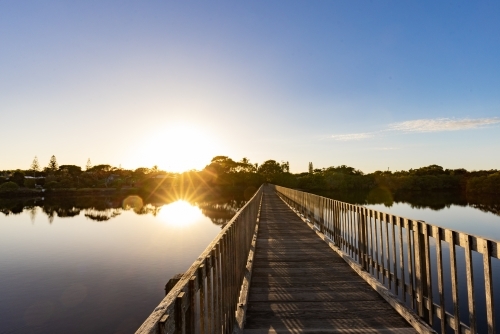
<point x="180" y="214"/>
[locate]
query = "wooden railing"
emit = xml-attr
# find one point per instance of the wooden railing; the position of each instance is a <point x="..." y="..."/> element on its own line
<point x="414" y="260"/>
<point x="207" y="297"/>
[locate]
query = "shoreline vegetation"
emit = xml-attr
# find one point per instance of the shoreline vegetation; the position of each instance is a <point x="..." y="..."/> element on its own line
<point x="225" y="173"/>
<point x="60" y="190"/>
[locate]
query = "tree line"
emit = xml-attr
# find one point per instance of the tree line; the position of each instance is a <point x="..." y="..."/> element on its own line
<point x="224" y="172"/>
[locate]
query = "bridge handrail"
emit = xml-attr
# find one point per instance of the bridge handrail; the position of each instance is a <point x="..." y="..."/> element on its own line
<point x="370" y="237"/>
<point x="205" y="298"/>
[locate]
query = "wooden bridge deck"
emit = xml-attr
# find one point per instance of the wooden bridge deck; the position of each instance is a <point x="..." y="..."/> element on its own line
<point x="300" y="285"/>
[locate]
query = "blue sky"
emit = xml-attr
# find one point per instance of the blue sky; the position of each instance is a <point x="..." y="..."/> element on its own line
<point x="370" y="84"/>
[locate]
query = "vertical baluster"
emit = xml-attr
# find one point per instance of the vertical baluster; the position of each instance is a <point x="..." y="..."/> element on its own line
<point x="371" y="249"/>
<point x="348" y="229"/>
<point x="342" y="216"/>
<point x="356" y="236"/>
<point x="230" y="269"/>
<point x="328" y="221"/>
<point x="401" y="258"/>
<point x="338" y="218"/>
<point x="408" y="225"/>
<point x="360" y="240"/>
<point x="364" y="234"/>
<point x="343" y="229"/>
<point x="202" y="274"/>
<point x="419" y="268"/>
<point x="470" y="282"/>
<point x="332" y="221"/>
<point x="236" y="272"/>
<point x="215" y="291"/>
<point x="191" y="313"/>
<point x="210" y="293"/>
<point x="354" y="218"/>
<point x="227" y="280"/>
<point x="351" y="231"/>
<point x="436" y="231"/>
<point x="450" y="237"/>
<point x="387" y="254"/>
<point x="395" y="276"/>
<point x="488" y="285"/>
<point x="223" y="282"/>
<point x="222" y="289"/>
<point x="310" y="214"/>
<point x="180" y="320"/>
<point x="361" y="247"/>
<point x="382" y="255"/>
<point x="428" y="285"/>
<point x="375" y="226"/>
<point x="322" y="214"/>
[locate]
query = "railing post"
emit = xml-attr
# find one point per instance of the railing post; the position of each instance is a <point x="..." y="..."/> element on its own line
<point x="191" y="313"/>
<point x="410" y="270"/>
<point x="470" y="283"/>
<point x="180" y="316"/>
<point x="210" y="293"/>
<point x="218" y="289"/>
<point x="450" y="237"/>
<point x="488" y="285"/>
<point x="420" y="268"/>
<point x="201" y="276"/>
<point x="437" y="232"/>
<point x="361" y="237"/>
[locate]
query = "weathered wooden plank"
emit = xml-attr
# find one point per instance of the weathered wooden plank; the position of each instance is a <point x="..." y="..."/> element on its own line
<point x="332" y="330"/>
<point x="361" y="325"/>
<point x="327" y="306"/>
<point x="354" y="314"/>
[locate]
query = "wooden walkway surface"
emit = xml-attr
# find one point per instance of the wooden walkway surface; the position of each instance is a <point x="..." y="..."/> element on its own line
<point x="300" y="285"/>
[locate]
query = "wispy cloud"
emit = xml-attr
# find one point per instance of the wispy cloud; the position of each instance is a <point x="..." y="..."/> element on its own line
<point x="386" y="148"/>
<point x="352" y="136"/>
<point x="442" y="124"/>
<point x="422" y="126"/>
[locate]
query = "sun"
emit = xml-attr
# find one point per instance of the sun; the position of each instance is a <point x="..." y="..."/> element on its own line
<point x="177" y="148"/>
<point x="180" y="214"/>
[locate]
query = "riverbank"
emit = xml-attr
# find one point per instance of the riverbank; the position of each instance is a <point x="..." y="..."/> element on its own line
<point x="25" y="192"/>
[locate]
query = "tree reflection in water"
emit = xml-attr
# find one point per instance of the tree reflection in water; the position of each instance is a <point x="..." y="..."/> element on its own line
<point x="219" y="206"/>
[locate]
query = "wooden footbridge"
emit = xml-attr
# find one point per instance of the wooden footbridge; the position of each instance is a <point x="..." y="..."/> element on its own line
<point x="293" y="262"/>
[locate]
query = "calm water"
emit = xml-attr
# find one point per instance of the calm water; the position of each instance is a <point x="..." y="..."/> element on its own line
<point x="462" y="218"/>
<point x="82" y="269"/>
<point x="88" y="264"/>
